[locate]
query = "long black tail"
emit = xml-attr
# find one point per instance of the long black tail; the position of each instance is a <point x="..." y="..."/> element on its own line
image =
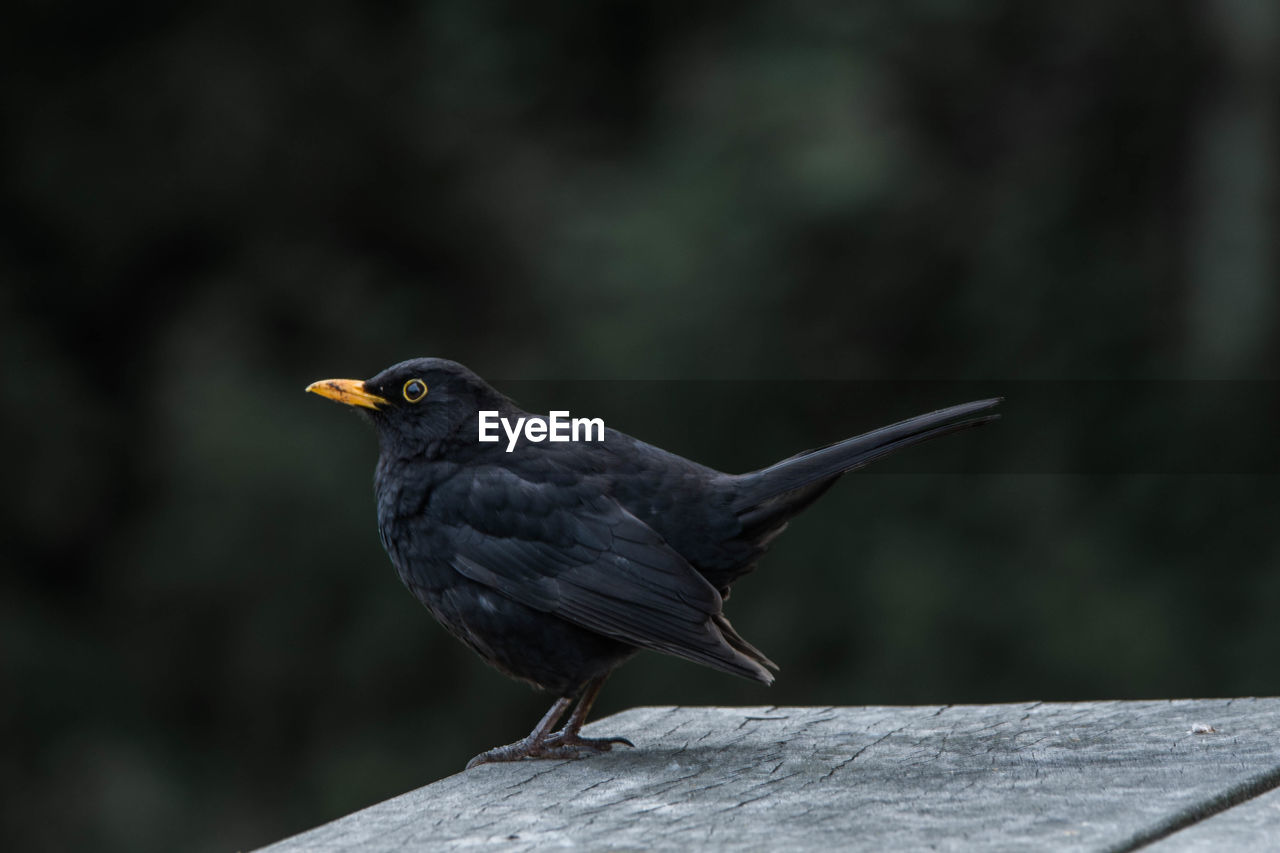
<point x="819" y="466"/>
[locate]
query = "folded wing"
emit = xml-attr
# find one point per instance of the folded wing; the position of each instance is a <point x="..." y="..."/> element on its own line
<point x="587" y="560"/>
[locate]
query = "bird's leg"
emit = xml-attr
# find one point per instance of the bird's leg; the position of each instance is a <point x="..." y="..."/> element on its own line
<point x="531" y="746"/>
<point x="568" y="737"/>
<point x="566" y="743"/>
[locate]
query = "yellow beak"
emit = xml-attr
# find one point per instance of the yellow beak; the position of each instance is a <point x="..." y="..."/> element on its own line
<point x="348" y="391"/>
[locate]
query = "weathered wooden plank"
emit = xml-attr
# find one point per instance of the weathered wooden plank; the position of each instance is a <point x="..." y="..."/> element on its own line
<point x="1071" y="776"/>
<point x="1251" y="827"/>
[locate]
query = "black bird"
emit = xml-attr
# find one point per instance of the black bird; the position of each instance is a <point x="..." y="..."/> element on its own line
<point x="556" y="562"/>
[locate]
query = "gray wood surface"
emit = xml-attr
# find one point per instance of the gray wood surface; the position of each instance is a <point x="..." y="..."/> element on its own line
<point x="1067" y="776"/>
<point x="1250" y="827"/>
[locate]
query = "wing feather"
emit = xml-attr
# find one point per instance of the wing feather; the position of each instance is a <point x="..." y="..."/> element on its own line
<point x="591" y="562"/>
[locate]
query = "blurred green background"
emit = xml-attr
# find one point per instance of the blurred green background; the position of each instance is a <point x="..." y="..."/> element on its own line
<point x="207" y="206"/>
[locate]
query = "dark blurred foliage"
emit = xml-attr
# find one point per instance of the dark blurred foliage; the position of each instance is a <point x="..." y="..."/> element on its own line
<point x="206" y="206"/>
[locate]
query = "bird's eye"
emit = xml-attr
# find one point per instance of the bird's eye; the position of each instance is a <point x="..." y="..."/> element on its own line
<point x="415" y="390"/>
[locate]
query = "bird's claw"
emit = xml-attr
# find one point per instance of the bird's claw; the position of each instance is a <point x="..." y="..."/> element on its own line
<point x="558" y="745"/>
<point x="585" y="745"/>
<point x="510" y="752"/>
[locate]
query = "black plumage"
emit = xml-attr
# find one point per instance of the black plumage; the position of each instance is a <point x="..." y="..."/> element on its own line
<point x="556" y="562"/>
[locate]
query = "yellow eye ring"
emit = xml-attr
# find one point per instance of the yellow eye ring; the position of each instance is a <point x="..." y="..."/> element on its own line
<point x="415" y="390"/>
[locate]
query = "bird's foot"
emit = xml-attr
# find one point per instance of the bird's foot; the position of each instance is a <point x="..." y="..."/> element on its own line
<point x="558" y="745"/>
<point x="585" y="746"/>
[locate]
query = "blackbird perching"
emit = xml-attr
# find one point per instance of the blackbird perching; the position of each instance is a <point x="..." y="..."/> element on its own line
<point x="558" y="561"/>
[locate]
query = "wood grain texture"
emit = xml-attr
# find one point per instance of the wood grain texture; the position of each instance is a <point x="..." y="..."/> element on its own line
<point x="1251" y="827"/>
<point x="1069" y="776"/>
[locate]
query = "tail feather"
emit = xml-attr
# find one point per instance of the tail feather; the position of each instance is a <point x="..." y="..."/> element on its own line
<point x="825" y="464"/>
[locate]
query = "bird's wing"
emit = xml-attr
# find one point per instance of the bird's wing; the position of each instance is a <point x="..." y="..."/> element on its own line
<point x="586" y="559"/>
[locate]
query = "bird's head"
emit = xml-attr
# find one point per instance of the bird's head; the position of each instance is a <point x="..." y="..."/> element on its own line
<point x="415" y="403"/>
